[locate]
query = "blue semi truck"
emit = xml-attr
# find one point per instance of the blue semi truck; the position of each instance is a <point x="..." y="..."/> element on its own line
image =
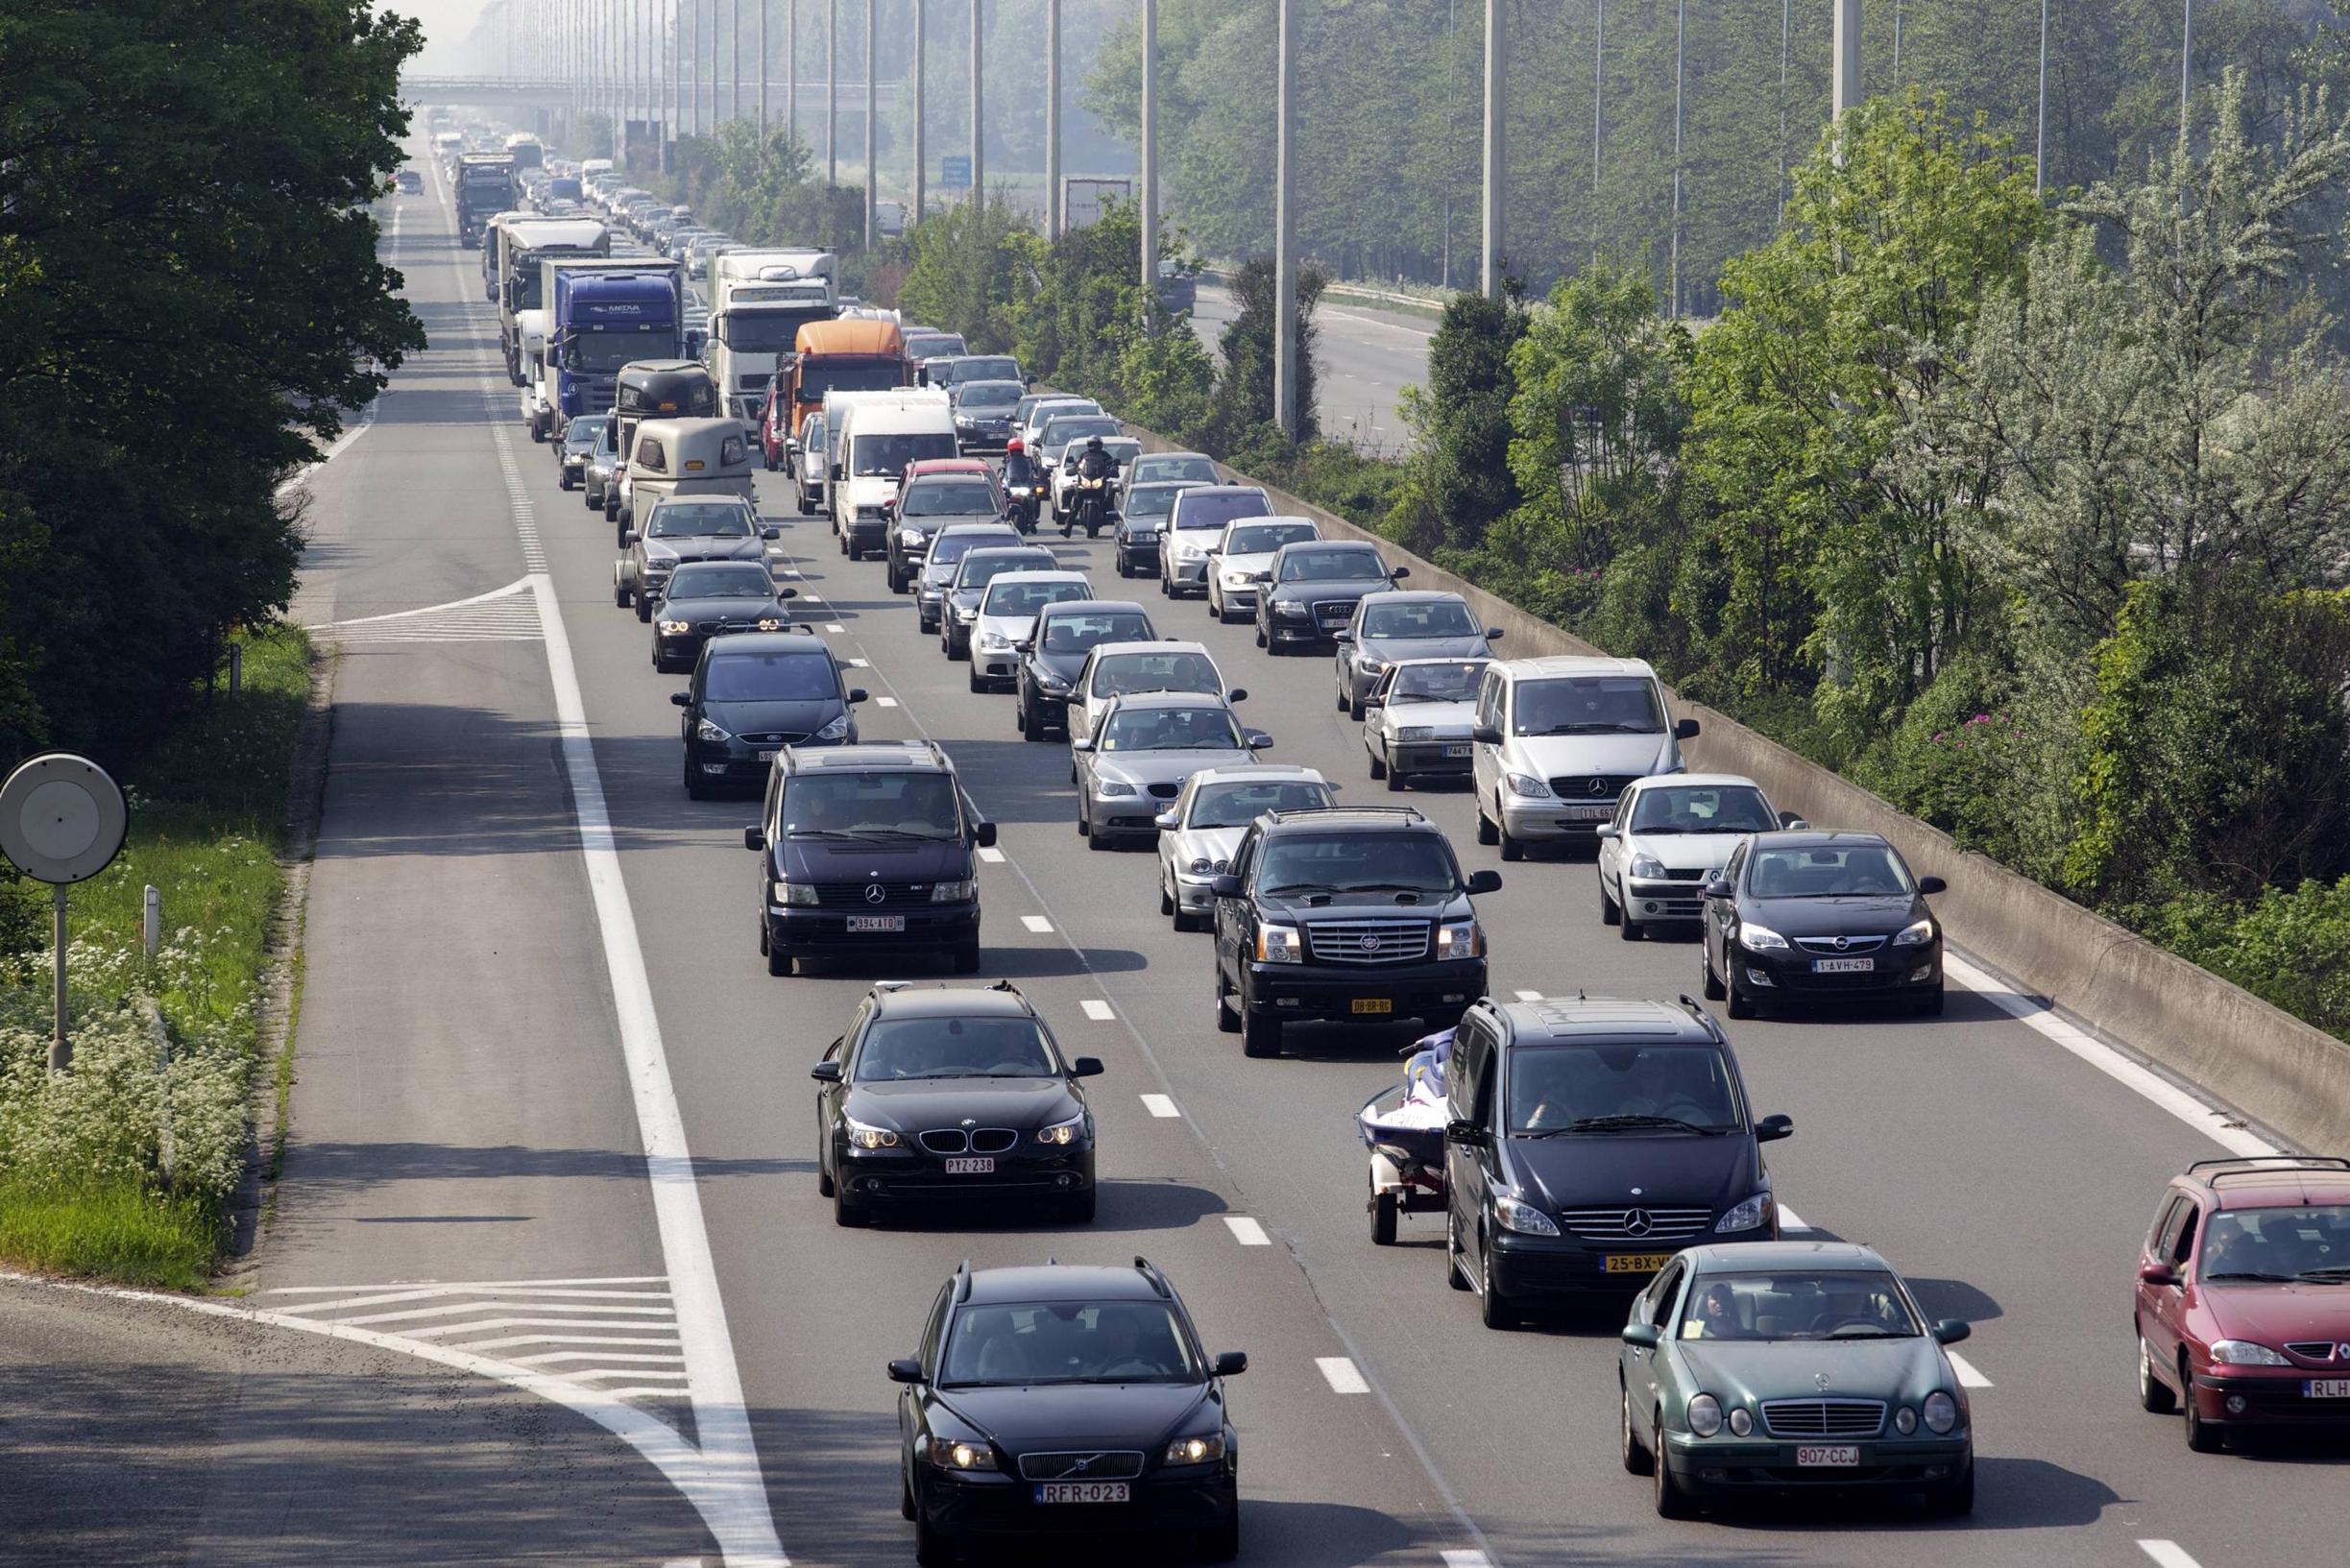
<point x="604" y="314"/>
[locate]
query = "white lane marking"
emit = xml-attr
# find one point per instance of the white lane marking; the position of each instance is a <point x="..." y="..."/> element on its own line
<point x="452" y="1309"/>
<point x="886" y="702"/>
<point x="1967" y="1376"/>
<point x="592" y="1356"/>
<point x="1462" y="1557"/>
<point x="1248" y="1233"/>
<point x="1100" y="1012"/>
<point x="1038" y="924"/>
<point x="2153" y="1086"/>
<point x="437" y="1292"/>
<point x="1789" y="1219"/>
<point x="989" y="853"/>
<point x="2168" y="1553"/>
<point x="834" y="626"/>
<point x="1525" y="996"/>
<point x="532" y="1285"/>
<point x="856" y="664"/>
<point x="1341" y="1374"/>
<point x="1161" y="1106"/>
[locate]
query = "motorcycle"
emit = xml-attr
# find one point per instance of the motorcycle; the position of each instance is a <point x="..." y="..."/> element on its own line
<point x="1089" y="507"/>
<point x="1028" y="503"/>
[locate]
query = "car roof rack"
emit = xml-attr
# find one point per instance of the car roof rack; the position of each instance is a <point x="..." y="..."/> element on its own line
<point x="1696" y="1010"/>
<point x="893" y="986"/>
<point x="962" y="1281"/>
<point x="1007" y="985"/>
<point x="1150" y="1271"/>
<point x="2263" y="1164"/>
<point x="1409" y="813"/>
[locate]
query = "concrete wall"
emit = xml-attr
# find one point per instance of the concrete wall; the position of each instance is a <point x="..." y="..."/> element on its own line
<point x="2265" y="1062"/>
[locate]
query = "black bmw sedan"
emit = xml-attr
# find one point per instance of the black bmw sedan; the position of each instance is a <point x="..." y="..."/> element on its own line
<point x="1054" y="1402"/>
<point x="1802" y="916"/>
<point x="709" y="599"/>
<point x="951" y="1095"/>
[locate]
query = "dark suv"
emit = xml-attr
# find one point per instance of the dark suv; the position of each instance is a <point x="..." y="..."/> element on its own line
<point x="1590" y="1139"/>
<point x="866" y="850"/>
<point x="1345" y="914"/>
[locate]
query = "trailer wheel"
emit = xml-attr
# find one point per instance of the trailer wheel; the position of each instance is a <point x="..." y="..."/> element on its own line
<point x="1382" y="1208"/>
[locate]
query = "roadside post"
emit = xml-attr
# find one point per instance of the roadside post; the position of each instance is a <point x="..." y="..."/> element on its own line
<point x="61" y="822"/>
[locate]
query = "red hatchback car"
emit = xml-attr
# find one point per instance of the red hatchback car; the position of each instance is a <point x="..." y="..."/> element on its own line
<point x="2243" y="1297"/>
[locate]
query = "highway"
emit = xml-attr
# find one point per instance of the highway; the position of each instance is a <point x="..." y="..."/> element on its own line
<point x="1365" y="358"/>
<point x="543" y="1077"/>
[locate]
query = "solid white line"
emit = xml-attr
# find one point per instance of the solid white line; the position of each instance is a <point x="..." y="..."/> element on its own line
<point x="601" y="1374"/>
<point x="468" y="1285"/>
<point x="589" y="1356"/>
<point x="1038" y="924"/>
<point x="520" y="585"/>
<point x="1967" y="1376"/>
<point x="1100" y="1012"/>
<point x="640" y="1340"/>
<point x="661" y="1326"/>
<point x="1161" y="1106"/>
<point x="989" y="853"/>
<point x="448" y="1309"/>
<point x="1248" y="1233"/>
<point x="1341" y="1374"/>
<point x="1789" y="1219"/>
<point x="1524" y="996"/>
<point x="2152" y="1086"/>
<point x="2169" y="1554"/>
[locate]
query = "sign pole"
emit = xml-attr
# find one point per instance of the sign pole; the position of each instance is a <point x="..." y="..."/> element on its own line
<point x="60" y="1048"/>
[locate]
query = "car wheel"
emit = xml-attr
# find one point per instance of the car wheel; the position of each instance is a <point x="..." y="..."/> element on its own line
<point x="1378" y="767"/>
<point x="849" y="1215"/>
<point x="1383" y="1210"/>
<point x="2203" y="1437"/>
<point x="979" y="682"/>
<point x="1637" y="1459"/>
<point x="1167" y="902"/>
<point x="1486" y="833"/>
<point x="966" y="959"/>
<point x="1707" y="984"/>
<point x="1741" y="1004"/>
<point x="1124" y="569"/>
<point x="1930" y="1006"/>
<point x="1354" y="708"/>
<point x="1512" y="849"/>
<point x="644" y="609"/>
<point x="695" y="789"/>
<point x="1260" y="1034"/>
<point x="1609" y="911"/>
<point x="1672" y="1502"/>
<point x="824" y="1189"/>
<point x="932" y="1548"/>
<point x="1164" y="592"/>
<point x="1341" y="698"/>
<point x="1223" y="1543"/>
<point x="1455" y="1275"/>
<point x="620" y="596"/>
<point x="2154" y="1395"/>
<point x="1396" y="782"/>
<point x="1080" y="1209"/>
<point x="1260" y="636"/>
<point x="1627" y="928"/>
<point x="1227" y="1021"/>
<point x="1492" y="1309"/>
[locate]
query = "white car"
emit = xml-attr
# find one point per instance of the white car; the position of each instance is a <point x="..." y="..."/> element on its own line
<point x="1198" y="832"/>
<point x="1421" y="719"/>
<point x="1671" y="835"/>
<point x="1118" y="669"/>
<point x="1560" y="738"/>
<point x="1049" y="408"/>
<point x="1007" y="617"/>
<point x="1246" y="549"/>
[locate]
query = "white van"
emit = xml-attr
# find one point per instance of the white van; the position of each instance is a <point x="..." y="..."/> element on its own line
<point x="874" y="435"/>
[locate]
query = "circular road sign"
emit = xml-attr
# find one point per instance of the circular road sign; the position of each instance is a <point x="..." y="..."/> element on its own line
<point x="61" y="819"/>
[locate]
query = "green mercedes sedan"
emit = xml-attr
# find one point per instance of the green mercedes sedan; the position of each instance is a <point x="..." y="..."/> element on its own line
<point x="1780" y="1366"/>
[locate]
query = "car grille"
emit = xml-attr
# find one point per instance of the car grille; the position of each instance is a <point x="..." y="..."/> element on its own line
<point x="860" y="893"/>
<point x="784" y="737"/>
<point x="956" y="1141"/>
<point x="2313" y="1350"/>
<point x="1368" y="941"/>
<point x="1590" y="787"/>
<point x="717" y="625"/>
<point x="1085" y="1465"/>
<point x="1333" y="611"/>
<point x="1652" y="1225"/>
<point x="598" y="400"/>
<point x="1840" y="944"/>
<point x="1823" y="1417"/>
<point x="1165" y="791"/>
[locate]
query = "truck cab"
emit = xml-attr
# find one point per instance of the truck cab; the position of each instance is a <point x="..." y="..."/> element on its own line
<point x="758" y="300"/>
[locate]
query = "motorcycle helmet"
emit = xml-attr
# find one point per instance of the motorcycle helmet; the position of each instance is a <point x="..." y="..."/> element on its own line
<point x="1093" y="443"/>
<point x="1017" y="444"/>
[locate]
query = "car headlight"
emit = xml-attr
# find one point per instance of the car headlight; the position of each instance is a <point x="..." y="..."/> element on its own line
<point x="1417" y="731"/>
<point x="1942" y="1412"/>
<point x="1201" y="865"/>
<point x="963" y="891"/>
<point x="1461" y="939"/>
<point x="1904" y="1420"/>
<point x="1704" y="1414"/>
<point x="769" y="623"/>
<point x="1061" y="1134"/>
<point x="1749" y="1214"/>
<point x="1370" y="663"/>
<point x="704" y="730"/>
<point x="1648" y="868"/>
<point x="1280" y="945"/>
<point x="794" y="892"/>
<point x="1051" y="682"/>
<point x="959" y="1455"/>
<point x="675" y="628"/>
<point x="1517" y="1215"/>
<point x="1195" y="1449"/>
<point x="1115" y="787"/>
<point x="1760" y="938"/>
<point x="1291" y="608"/>
<point x="1237" y="579"/>
<point x="910" y="536"/>
<point x="836" y="730"/>
<point x="2246" y="1353"/>
<point x="1528" y="785"/>
<point x="869" y="1136"/>
<point x="994" y="642"/>
<point x="1916" y="936"/>
<point x="1741" y="1422"/>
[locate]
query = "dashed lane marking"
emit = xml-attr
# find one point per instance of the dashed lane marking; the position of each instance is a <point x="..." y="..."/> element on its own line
<point x="1038" y="924"/>
<point x="1463" y="1556"/>
<point x="1100" y="1012"/>
<point x="1789" y="1219"/>
<point x="834" y="626"/>
<point x="1526" y="996"/>
<point x="1162" y="1106"/>
<point x="2168" y="1553"/>
<point x="1341" y="1374"/>
<point x="856" y="664"/>
<point x="1967" y="1376"/>
<point x="885" y="702"/>
<point x="1248" y="1233"/>
<point x="989" y="853"/>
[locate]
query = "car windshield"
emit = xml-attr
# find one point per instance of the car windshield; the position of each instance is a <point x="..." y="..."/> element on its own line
<point x="898" y="1048"/>
<point x="1587" y="705"/>
<point x="1123" y="450"/>
<point x="1077" y="633"/>
<point x="700" y="520"/>
<point x="812" y="437"/>
<point x="1126" y="673"/>
<point x="1701" y="809"/>
<point x="920" y="346"/>
<point x="2307" y="1242"/>
<point x="1176" y="466"/>
<point x="769" y="331"/>
<point x="1043" y="413"/>
<point x="1807" y="1303"/>
<point x="839" y="803"/>
<point x="997" y="369"/>
<point x="992" y="395"/>
<point x="886" y="456"/>
<point x="1615" y="1088"/>
<point x="1017" y="1345"/>
<point x="1060" y="432"/>
<point x="1842" y="871"/>
<point x="1197" y="511"/>
<point x="948" y="498"/>
<point x="1334" y="566"/>
<point x="1358" y="863"/>
<point x="583" y="429"/>
<point x="1027" y="599"/>
<point x="948" y="550"/>
<point x="982" y="567"/>
<point x="1434" y="683"/>
<point x="1237" y="804"/>
<point x="1264" y="538"/>
<point x="770" y="677"/>
<point x="1418" y="617"/>
<point x="710" y="580"/>
<point x="1151" y="500"/>
<point x="1171" y="728"/>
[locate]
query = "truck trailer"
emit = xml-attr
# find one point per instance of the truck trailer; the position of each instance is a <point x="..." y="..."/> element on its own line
<point x="524" y="245"/>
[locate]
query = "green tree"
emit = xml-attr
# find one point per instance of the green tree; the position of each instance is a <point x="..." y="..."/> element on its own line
<point x="1243" y="411"/>
<point x="1459" y="479"/>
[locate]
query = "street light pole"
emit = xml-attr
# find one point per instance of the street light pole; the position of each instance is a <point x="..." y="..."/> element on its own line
<point x="979" y="121"/>
<point x="2187" y="62"/>
<point x="1846" y="64"/>
<point x="1053" y="214"/>
<point x="764" y="6"/>
<point x="1284" y="227"/>
<point x="873" y="189"/>
<point x="1496" y="157"/>
<point x="1681" y="20"/>
<point x="1151" y="145"/>
<point x="832" y="93"/>
<point x="2039" y="121"/>
<point x="1599" y="72"/>
<point x="791" y="66"/>
<point x="921" y="155"/>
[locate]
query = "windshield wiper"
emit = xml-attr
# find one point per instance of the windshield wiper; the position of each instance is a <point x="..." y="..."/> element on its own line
<point x="1299" y="887"/>
<point x="2251" y="1274"/>
<point x="1866" y="1331"/>
<point x="1421" y="888"/>
<point x="1628" y="1120"/>
<point x="820" y="833"/>
<point x="2332" y="1274"/>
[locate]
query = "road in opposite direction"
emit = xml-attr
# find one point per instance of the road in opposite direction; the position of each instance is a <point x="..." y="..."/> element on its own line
<point x="1366" y="357"/>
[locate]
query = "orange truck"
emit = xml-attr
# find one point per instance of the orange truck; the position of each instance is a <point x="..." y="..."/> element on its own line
<point x="856" y="354"/>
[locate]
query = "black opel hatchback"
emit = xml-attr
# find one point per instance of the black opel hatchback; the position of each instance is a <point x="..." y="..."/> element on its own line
<point x="1811" y="915"/>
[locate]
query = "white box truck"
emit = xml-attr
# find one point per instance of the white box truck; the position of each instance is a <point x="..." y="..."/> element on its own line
<point x="758" y="300"/>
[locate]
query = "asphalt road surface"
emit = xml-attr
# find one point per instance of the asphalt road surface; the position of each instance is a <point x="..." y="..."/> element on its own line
<point x="1365" y="358"/>
<point x="504" y="1015"/>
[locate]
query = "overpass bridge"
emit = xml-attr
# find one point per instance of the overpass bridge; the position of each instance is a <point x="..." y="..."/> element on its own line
<point x="557" y="94"/>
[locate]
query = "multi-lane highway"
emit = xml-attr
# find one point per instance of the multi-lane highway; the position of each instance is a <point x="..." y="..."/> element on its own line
<point x="553" y="1115"/>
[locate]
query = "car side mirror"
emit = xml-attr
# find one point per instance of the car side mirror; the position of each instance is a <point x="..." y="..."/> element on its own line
<point x="786" y="593"/>
<point x="2158" y="1273"/>
<point x="1684" y="729"/>
<point x="856" y="694"/>
<point x="770" y="532"/>
<point x="1231" y="1364"/>
<point x="1483" y="881"/>
<point x="1465" y="1133"/>
<point x="1950" y="1330"/>
<point x="825" y="1072"/>
<point x="834" y="473"/>
<point x="1086" y="1067"/>
<point x="1079" y="743"/>
<point x="1374" y="700"/>
<point x="905" y="1369"/>
<point x="1492" y="634"/>
<point x="792" y="445"/>
<point x="1259" y="741"/>
<point x="890" y="509"/>
<point x="985" y="835"/>
<point x="1224" y="886"/>
<point x="1485" y="735"/>
<point x="1027" y="646"/>
<point x="681" y="699"/>
<point x="628" y="537"/>
<point x="1791" y="822"/>
<point x="1644" y="1335"/>
<point x="1239" y="694"/>
<point x="1167" y="821"/>
<point x="1027" y="380"/>
<point x="1607" y="829"/>
<point x="754" y="838"/>
<point x="1931" y="885"/>
<point x="1341" y="636"/>
<point x="1718" y="888"/>
<point x="1771" y="1128"/>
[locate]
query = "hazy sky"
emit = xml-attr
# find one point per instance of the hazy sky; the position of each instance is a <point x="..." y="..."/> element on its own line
<point x="447" y="22"/>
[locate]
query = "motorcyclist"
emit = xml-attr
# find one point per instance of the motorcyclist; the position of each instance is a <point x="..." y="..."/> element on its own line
<point x="1093" y="463"/>
<point x="1021" y="476"/>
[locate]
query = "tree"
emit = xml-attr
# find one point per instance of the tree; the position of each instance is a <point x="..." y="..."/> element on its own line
<point x="1242" y="412"/>
<point x="1459" y="480"/>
